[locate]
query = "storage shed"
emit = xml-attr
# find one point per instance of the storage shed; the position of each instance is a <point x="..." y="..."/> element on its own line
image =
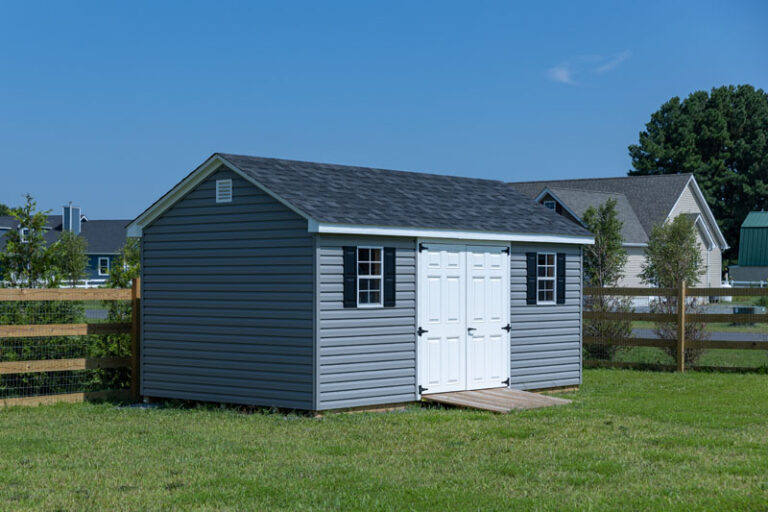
<point x="753" y="249"/>
<point x="313" y="286"/>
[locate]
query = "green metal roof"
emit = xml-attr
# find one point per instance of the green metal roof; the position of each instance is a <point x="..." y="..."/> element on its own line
<point x="756" y="220"/>
<point x="753" y="240"/>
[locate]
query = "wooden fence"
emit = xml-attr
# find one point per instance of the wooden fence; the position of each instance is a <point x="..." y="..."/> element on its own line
<point x="680" y="318"/>
<point x="80" y="329"/>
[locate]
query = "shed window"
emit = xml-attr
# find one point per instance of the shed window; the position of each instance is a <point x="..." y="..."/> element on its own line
<point x="550" y="205"/>
<point x="103" y="266"/>
<point x="223" y="191"/>
<point x="545" y="277"/>
<point x="369" y="276"/>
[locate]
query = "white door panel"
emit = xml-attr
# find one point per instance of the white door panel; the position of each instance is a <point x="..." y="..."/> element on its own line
<point x="442" y="351"/>
<point x="464" y="306"/>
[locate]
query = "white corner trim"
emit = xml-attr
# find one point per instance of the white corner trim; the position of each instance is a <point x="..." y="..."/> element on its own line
<point x="703" y="227"/>
<point x="353" y="229"/>
<point x="193" y="179"/>
<point x="560" y="202"/>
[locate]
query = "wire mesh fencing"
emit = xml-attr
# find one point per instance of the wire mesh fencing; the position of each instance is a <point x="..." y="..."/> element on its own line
<point x="72" y="342"/>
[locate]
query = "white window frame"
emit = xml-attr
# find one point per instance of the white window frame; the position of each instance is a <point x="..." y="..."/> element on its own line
<point x="380" y="277"/>
<point x="98" y="265"/>
<point x="553" y="204"/>
<point x="24" y="235"/>
<point x="553" y="278"/>
<point x="222" y="183"/>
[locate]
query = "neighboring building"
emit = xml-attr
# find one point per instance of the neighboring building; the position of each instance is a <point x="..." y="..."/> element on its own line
<point x="641" y="203"/>
<point x="104" y="237"/>
<point x="753" y="249"/>
<point x="314" y="286"/>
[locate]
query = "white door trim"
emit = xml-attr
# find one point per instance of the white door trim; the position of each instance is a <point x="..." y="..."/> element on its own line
<point x="420" y="262"/>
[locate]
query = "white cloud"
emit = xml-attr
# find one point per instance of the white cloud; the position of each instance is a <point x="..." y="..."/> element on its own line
<point x="561" y="73"/>
<point x="614" y="62"/>
<point x="567" y="71"/>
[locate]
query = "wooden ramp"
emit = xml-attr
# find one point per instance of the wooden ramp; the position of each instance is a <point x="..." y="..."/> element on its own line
<point x="502" y="400"/>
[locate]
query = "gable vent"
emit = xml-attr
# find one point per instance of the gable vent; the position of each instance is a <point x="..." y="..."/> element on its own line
<point x="223" y="191"/>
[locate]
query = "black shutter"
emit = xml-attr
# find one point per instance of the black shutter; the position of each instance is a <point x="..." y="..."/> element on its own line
<point x="530" y="292"/>
<point x="560" y="278"/>
<point x="390" y="271"/>
<point x="350" y="277"/>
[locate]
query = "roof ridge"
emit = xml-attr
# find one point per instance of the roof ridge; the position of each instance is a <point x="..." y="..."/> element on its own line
<point x="363" y="168"/>
<point x="602" y="178"/>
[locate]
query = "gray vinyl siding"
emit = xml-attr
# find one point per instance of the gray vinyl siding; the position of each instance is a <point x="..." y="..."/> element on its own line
<point x="366" y="356"/>
<point x="545" y="340"/>
<point x="228" y="300"/>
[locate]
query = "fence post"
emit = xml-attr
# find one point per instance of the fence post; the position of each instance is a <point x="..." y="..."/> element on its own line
<point x="135" y="338"/>
<point x="681" y="328"/>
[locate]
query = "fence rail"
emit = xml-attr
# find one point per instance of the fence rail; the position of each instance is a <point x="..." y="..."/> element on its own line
<point x="680" y="318"/>
<point x="72" y="364"/>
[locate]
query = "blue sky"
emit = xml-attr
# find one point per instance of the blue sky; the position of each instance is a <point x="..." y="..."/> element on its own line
<point x="109" y="104"/>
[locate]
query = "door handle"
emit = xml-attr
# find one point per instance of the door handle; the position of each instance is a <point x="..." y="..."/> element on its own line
<point x="470" y="330"/>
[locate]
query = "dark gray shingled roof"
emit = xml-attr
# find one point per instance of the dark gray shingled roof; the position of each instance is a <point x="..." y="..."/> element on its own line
<point x="376" y="197"/>
<point x="103" y="236"/>
<point x="579" y="200"/>
<point x="651" y="197"/>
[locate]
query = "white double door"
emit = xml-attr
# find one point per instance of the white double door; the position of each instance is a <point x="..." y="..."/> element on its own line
<point x="463" y="317"/>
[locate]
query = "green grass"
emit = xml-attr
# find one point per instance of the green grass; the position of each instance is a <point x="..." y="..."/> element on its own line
<point x="631" y="440"/>
<point x="711" y="357"/>
<point x="715" y="327"/>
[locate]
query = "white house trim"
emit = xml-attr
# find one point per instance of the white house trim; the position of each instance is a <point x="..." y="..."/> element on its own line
<point x="193" y="179"/>
<point x="354" y="229"/>
<point x="634" y="244"/>
<point x="706" y="211"/>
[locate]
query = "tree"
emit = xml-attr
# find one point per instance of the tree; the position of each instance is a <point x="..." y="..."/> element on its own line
<point x="5" y="210"/>
<point x="124" y="270"/>
<point x="604" y="266"/>
<point x="720" y="137"/>
<point x="672" y="257"/>
<point x="70" y="258"/>
<point x="26" y="261"/>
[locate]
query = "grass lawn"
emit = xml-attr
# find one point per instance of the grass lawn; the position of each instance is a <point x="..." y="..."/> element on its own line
<point x="711" y="357"/>
<point x="631" y="440"/>
<point x="715" y="327"/>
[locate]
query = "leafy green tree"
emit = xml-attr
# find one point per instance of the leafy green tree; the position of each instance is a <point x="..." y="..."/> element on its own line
<point x="26" y="261"/>
<point x="5" y="210"/>
<point x="722" y="138"/>
<point x="604" y="266"/>
<point x="126" y="266"/>
<point x="69" y="256"/>
<point x="672" y="257"/>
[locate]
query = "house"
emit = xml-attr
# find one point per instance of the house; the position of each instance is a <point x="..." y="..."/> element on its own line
<point x="753" y="249"/>
<point x="314" y="286"/>
<point x="104" y="237"/>
<point x="641" y="203"/>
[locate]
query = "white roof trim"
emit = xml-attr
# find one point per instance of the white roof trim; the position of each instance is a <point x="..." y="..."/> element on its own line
<point x="703" y="228"/>
<point x="354" y="229"/>
<point x="135" y="227"/>
<point x="706" y="211"/>
<point x="554" y="196"/>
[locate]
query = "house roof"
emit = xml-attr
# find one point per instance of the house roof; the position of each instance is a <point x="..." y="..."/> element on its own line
<point x="344" y="195"/>
<point x="756" y="220"/>
<point x="578" y="201"/>
<point x="651" y="197"/>
<point x="103" y="236"/>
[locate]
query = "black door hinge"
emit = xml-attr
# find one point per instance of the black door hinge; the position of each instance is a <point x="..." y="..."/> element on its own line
<point x="422" y="389"/>
<point x="422" y="247"/>
<point x="507" y="328"/>
<point x="421" y="331"/>
<point x="505" y="250"/>
<point x="505" y="382"/>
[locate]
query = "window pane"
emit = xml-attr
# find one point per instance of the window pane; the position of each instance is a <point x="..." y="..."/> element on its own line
<point x="375" y="254"/>
<point x="550" y="272"/>
<point x="375" y="269"/>
<point x="364" y="297"/>
<point x="363" y="269"/>
<point x="363" y="254"/>
<point x="375" y="298"/>
<point x="550" y="259"/>
<point x="542" y="259"/>
<point x="542" y="271"/>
